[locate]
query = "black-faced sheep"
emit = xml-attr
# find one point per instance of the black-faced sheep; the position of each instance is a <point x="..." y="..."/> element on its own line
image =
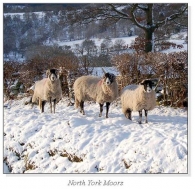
<point x="48" y="90"/>
<point x="138" y="98"/>
<point x="92" y="88"/>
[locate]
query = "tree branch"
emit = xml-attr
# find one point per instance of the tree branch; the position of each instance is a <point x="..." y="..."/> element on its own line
<point x="133" y="17"/>
<point x="170" y="18"/>
<point x="117" y="11"/>
<point x="142" y="8"/>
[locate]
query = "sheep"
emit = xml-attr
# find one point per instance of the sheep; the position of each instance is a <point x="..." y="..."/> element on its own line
<point x="97" y="89"/>
<point x="48" y="90"/>
<point x="137" y="98"/>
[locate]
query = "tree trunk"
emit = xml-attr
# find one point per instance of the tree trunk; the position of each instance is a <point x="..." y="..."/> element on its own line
<point x="149" y="30"/>
<point x="149" y="40"/>
<point x="149" y="27"/>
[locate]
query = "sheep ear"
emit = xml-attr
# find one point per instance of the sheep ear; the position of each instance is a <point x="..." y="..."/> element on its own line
<point x="47" y="72"/>
<point x="103" y="70"/>
<point x="142" y="83"/>
<point x="113" y="76"/>
<point x="57" y="73"/>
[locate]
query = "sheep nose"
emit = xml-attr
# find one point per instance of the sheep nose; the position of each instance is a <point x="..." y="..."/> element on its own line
<point x="107" y="81"/>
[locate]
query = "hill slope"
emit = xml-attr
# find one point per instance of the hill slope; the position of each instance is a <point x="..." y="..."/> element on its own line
<point x="68" y="142"/>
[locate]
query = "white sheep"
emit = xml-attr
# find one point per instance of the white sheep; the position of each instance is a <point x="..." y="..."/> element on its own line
<point x="92" y="88"/>
<point x="48" y="90"/>
<point x="138" y="98"/>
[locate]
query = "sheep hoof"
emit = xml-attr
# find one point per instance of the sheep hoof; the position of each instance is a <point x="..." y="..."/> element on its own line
<point x="146" y="122"/>
<point x="128" y="117"/>
<point x="140" y="122"/>
<point x="81" y="111"/>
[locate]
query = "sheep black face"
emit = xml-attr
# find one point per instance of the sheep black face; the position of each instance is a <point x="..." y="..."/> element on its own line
<point x="52" y="74"/>
<point x="147" y="85"/>
<point x="109" y="78"/>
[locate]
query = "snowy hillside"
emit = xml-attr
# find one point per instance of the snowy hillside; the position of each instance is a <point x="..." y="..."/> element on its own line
<point x="68" y="142"/>
<point x="21" y="15"/>
<point x="127" y="40"/>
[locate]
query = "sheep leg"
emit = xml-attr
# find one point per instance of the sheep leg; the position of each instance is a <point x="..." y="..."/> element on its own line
<point x="140" y="117"/>
<point x="54" y="106"/>
<point x="128" y="114"/>
<point x="107" y="108"/>
<point x="42" y="106"/>
<point x="146" y="116"/>
<point x="76" y="103"/>
<point x="101" y="110"/>
<point x="50" y="104"/>
<point x="82" y="107"/>
<point x="32" y="105"/>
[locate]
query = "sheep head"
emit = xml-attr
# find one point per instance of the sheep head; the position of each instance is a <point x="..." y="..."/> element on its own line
<point x="147" y="84"/>
<point x="108" y="78"/>
<point x="52" y="74"/>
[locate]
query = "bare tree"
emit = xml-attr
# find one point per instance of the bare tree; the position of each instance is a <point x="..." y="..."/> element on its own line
<point x="88" y="45"/>
<point x="118" y="44"/>
<point x="143" y="16"/>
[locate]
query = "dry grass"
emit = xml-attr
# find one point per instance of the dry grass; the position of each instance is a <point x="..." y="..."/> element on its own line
<point x="29" y="165"/>
<point x="71" y="157"/>
<point x="127" y="165"/>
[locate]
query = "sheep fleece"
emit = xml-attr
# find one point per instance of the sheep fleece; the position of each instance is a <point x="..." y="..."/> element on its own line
<point x="137" y="99"/>
<point x="45" y="89"/>
<point x="92" y="88"/>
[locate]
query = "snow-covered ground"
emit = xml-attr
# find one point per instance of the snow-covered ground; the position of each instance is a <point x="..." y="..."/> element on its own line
<point x="68" y="142"/>
<point x="97" y="71"/>
<point x="127" y="40"/>
<point x="178" y="39"/>
<point x="130" y="40"/>
<point x="21" y="15"/>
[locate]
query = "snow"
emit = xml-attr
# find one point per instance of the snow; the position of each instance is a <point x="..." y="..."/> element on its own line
<point x="97" y="71"/>
<point x="98" y="41"/>
<point x="178" y="42"/>
<point x="21" y="15"/>
<point x="178" y="39"/>
<point x="49" y="142"/>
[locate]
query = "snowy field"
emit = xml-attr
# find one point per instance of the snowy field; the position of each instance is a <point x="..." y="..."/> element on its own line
<point x="68" y="142"/>
<point x="127" y="40"/>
